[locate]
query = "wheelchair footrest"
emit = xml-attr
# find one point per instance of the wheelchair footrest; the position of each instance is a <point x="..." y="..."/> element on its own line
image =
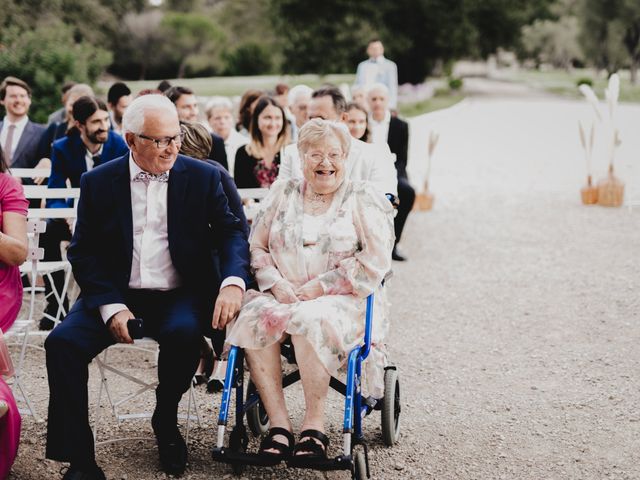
<point x="342" y="462"/>
<point x="232" y="457"/>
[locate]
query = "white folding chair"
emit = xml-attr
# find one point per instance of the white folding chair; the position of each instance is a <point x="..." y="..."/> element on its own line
<point x="251" y="200"/>
<point x="149" y="346"/>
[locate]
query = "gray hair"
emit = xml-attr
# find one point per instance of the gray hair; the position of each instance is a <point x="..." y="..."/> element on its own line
<point x="316" y="131"/>
<point x="133" y="118"/>
<point x="299" y="91"/>
<point x="80" y="90"/>
<point x="218" y="102"/>
<point x="378" y="87"/>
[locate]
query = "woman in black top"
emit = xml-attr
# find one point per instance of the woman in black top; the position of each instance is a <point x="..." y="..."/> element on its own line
<point x="257" y="163"/>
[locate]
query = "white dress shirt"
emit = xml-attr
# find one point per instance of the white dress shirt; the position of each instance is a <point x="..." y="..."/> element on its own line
<point x="365" y="161"/>
<point x="17" y="133"/>
<point x="88" y="158"/>
<point x="379" y="70"/>
<point x="151" y="265"/>
<point x="380" y="130"/>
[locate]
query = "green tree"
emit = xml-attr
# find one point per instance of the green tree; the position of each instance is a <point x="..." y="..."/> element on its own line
<point x="192" y="35"/>
<point x="554" y="42"/>
<point x="47" y="57"/>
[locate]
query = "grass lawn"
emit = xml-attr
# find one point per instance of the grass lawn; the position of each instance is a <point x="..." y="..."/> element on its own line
<point x="564" y="83"/>
<point x="438" y="102"/>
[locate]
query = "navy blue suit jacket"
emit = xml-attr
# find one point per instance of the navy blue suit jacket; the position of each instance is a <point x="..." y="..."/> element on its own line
<point x="202" y="231"/>
<point x="218" y="152"/>
<point x="398" y="140"/>
<point x="26" y="154"/>
<point x="68" y="161"/>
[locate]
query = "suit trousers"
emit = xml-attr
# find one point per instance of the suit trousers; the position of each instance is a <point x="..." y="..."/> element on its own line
<point x="173" y="318"/>
<point x="406" y="196"/>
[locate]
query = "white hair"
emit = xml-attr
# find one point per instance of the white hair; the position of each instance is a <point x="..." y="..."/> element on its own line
<point x="379" y="87"/>
<point x="218" y="102"/>
<point x="298" y="91"/>
<point x="133" y="118"/>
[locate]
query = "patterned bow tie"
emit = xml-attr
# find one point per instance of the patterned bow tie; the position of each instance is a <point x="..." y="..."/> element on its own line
<point x="146" y="177"/>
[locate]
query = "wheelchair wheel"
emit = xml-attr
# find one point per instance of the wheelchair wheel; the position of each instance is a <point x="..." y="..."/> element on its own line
<point x="360" y="466"/>
<point x="238" y="442"/>
<point x="391" y="407"/>
<point x="257" y="417"/>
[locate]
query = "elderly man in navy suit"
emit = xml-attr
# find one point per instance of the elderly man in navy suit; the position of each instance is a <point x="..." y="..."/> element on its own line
<point x="89" y="143"/>
<point x="153" y="231"/>
<point x="19" y="136"/>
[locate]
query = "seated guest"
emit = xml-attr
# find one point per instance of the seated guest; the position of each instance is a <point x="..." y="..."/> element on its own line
<point x="118" y="99"/>
<point x="299" y="97"/>
<point x="357" y="122"/>
<point x="388" y="129"/>
<point x="319" y="246"/>
<point x="13" y="252"/>
<point x="245" y="110"/>
<point x="153" y="231"/>
<point x="189" y="111"/>
<point x="58" y="115"/>
<point x="220" y="117"/>
<point x="257" y="163"/>
<point x="58" y="130"/>
<point x="359" y="96"/>
<point x="88" y="144"/>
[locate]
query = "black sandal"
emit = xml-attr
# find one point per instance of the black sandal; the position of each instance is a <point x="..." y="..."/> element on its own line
<point x="312" y="449"/>
<point x="268" y="443"/>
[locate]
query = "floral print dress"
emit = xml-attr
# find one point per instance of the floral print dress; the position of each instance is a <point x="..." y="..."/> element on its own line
<point x="348" y="249"/>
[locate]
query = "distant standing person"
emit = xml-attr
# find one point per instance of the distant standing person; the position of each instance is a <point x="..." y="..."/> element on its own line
<point x="118" y="98"/>
<point x="257" y="164"/>
<point x="386" y="128"/>
<point x="379" y="69"/>
<point x="188" y="111"/>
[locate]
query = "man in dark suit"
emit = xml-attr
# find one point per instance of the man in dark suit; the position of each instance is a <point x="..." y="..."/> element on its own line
<point x="89" y="144"/>
<point x="188" y="110"/>
<point x="387" y="128"/>
<point x="152" y="229"/>
<point x="19" y="136"/>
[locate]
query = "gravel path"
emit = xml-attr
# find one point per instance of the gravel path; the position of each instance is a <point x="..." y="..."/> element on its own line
<point x="515" y="320"/>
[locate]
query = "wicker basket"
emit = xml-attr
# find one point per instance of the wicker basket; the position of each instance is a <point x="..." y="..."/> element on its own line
<point x="424" y="201"/>
<point x="589" y="193"/>
<point x="610" y="191"/>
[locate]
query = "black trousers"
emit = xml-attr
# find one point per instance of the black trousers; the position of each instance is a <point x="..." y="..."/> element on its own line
<point x="175" y="319"/>
<point x="406" y="196"/>
<point x="57" y="232"/>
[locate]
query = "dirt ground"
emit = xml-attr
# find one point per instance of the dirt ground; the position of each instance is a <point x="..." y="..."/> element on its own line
<point x="516" y="320"/>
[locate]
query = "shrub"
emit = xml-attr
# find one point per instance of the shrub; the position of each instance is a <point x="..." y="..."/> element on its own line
<point x="585" y="81"/>
<point x="248" y="59"/>
<point x="455" y="83"/>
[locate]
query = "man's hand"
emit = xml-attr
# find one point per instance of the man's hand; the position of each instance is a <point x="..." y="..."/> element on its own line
<point x="283" y="292"/>
<point x="310" y="290"/>
<point x="227" y="306"/>
<point x="118" y="326"/>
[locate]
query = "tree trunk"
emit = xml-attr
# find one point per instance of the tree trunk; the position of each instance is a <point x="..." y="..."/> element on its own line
<point x="183" y="67"/>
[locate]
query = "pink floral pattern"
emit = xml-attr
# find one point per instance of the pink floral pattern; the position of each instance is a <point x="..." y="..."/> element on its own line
<point x="350" y="259"/>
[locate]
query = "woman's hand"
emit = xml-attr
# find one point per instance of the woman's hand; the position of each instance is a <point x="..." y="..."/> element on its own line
<point x="283" y="292"/>
<point x="310" y="290"/>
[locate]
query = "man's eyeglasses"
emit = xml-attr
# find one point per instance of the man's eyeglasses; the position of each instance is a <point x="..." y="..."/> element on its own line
<point x="165" y="141"/>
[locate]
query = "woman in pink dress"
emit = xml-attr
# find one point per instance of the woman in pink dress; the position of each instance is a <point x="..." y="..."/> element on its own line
<point x="13" y="252"/>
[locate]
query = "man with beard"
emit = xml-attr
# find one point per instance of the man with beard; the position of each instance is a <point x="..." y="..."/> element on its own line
<point x="88" y="144"/>
<point x="188" y="111"/>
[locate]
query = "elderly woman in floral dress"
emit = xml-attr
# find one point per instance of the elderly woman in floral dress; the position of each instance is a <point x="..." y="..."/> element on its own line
<point x="319" y="246"/>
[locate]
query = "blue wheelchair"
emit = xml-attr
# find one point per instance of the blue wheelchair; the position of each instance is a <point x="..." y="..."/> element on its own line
<point x="354" y="457"/>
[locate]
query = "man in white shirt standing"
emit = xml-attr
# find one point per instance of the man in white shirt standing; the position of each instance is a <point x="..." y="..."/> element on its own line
<point x="154" y="240"/>
<point x="365" y="161"/>
<point x="378" y="69"/>
<point x="19" y="136"/>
